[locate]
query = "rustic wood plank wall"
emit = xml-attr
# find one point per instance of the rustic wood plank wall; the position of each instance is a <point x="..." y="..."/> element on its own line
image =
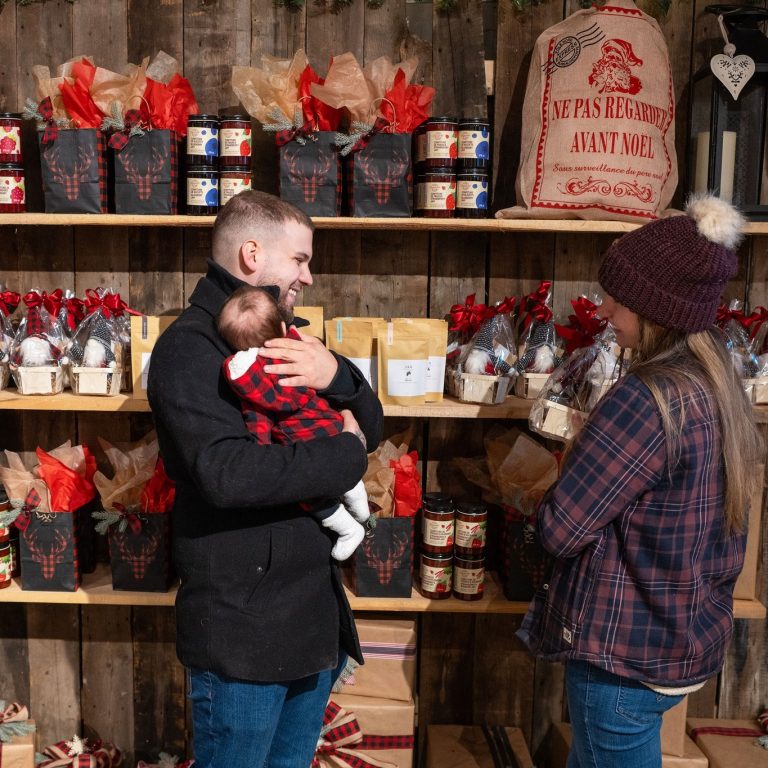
<point x="87" y="667"/>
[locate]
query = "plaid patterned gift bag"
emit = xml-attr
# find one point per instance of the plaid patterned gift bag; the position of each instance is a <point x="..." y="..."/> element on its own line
<point x="525" y="563"/>
<point x="74" y="170"/>
<point x="147" y="173"/>
<point x="383" y="564"/>
<point x="141" y="554"/>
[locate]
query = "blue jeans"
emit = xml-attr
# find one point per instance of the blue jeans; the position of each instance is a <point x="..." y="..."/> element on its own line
<point x="242" y="724"/>
<point x="616" y="721"/>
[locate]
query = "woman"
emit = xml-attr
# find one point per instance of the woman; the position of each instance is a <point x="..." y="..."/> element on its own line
<point x="647" y="522"/>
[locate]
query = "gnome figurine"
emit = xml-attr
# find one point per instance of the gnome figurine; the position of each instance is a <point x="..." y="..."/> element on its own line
<point x="98" y="352"/>
<point x="35" y="349"/>
<point x="483" y="357"/>
<point x="539" y="354"/>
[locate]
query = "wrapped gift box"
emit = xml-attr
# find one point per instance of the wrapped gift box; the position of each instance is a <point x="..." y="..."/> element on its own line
<point x="96" y="381"/>
<point x="729" y="743"/>
<point x="389" y="649"/>
<point x="477" y="387"/>
<point x="473" y="746"/>
<point x="746" y="584"/>
<point x="560" y="745"/>
<point x="528" y="385"/>
<point x="673" y="729"/>
<point x="376" y="731"/>
<point x="19" y="752"/>
<point x="39" y="380"/>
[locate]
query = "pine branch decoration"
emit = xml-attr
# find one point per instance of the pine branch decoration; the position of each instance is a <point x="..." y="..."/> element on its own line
<point x="9" y="730"/>
<point x="8" y="517"/>
<point x="107" y="518"/>
<point x="114" y="121"/>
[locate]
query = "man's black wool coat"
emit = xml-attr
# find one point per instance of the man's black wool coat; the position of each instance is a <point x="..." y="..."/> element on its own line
<point x="260" y="598"/>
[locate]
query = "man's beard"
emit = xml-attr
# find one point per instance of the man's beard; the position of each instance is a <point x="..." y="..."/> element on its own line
<point x="286" y="312"/>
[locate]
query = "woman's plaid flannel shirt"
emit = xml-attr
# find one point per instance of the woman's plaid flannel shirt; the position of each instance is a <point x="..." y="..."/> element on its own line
<point x="643" y="576"/>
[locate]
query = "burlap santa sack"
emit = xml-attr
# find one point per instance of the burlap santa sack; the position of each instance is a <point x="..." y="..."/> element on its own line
<point x="598" y="133"/>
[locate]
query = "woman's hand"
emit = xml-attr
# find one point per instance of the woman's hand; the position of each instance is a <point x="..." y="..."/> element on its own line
<point x="307" y="363"/>
<point x="351" y="425"/>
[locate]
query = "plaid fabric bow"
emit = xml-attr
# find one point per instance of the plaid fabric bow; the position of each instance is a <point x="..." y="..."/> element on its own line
<point x="342" y="742"/>
<point x="286" y="131"/>
<point x="583" y="326"/>
<point x="45" y="108"/>
<point x="67" y="753"/>
<point x="13" y="721"/>
<point x="133" y="125"/>
<point x="9" y="300"/>
<point x="24" y="509"/>
<point x="361" y="135"/>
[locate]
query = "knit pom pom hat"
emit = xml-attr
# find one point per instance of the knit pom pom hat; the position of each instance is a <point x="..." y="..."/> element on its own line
<point x="673" y="271"/>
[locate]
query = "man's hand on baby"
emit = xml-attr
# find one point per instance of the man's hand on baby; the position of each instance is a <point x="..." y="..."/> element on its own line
<point x="306" y="363"/>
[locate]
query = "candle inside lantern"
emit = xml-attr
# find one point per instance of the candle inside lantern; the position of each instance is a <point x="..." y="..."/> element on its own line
<point x="728" y="166"/>
<point x="702" y="162"/>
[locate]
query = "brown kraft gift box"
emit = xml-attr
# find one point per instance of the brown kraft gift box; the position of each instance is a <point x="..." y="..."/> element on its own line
<point x="729" y="743"/>
<point x="560" y="745"/>
<point x="389" y="649"/>
<point x="19" y="752"/>
<point x="673" y="729"/>
<point x="376" y="731"/>
<point x="469" y="746"/>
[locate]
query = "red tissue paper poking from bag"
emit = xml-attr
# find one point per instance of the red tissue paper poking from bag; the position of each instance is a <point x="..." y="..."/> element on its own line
<point x="406" y="106"/>
<point x="170" y="105"/>
<point x="407" y="485"/>
<point x="80" y="107"/>
<point x="70" y="488"/>
<point x="316" y="114"/>
<point x="159" y="492"/>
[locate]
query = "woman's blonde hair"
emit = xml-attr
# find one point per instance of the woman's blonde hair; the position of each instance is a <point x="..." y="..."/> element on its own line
<point x="669" y="362"/>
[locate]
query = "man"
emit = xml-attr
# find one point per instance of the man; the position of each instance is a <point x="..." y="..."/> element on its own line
<point x="262" y="620"/>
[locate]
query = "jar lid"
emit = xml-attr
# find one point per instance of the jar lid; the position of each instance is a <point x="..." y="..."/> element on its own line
<point x="474" y="559"/>
<point x="483" y="120"/>
<point x="472" y="172"/>
<point x="235" y="117"/>
<point x="235" y="169"/>
<point x="441" y="170"/>
<point x="198" y="118"/>
<point x="443" y="556"/>
<point x="11" y="167"/>
<point x="202" y="169"/>
<point x="438" y="502"/>
<point x="443" y="119"/>
<point x="10" y="115"/>
<point x="471" y="508"/>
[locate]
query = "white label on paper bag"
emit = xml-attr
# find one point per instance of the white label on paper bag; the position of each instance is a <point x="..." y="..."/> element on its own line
<point x="145" y="368"/>
<point x="369" y="368"/>
<point x="436" y="373"/>
<point x="406" y="378"/>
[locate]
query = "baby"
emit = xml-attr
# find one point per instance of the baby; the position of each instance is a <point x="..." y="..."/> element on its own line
<point x="284" y="415"/>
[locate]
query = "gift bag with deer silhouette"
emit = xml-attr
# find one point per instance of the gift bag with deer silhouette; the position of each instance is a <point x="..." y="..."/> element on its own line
<point x="141" y="554"/>
<point x="147" y="174"/>
<point x="74" y="171"/>
<point x="378" y="177"/>
<point x="48" y="551"/>
<point x="383" y="563"/>
<point x="311" y="175"/>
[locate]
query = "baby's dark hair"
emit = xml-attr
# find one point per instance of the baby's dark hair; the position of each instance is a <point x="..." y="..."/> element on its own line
<point x="249" y="317"/>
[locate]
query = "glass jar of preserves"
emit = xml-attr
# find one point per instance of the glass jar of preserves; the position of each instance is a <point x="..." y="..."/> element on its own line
<point x="419" y="147"/>
<point x="10" y="137"/>
<point x="474" y="143"/>
<point x="472" y="195"/>
<point x="235" y="142"/>
<point x="5" y="565"/>
<point x="436" y="194"/>
<point x="202" y="191"/>
<point x="471" y="524"/>
<point x="437" y="520"/>
<point x="468" y="577"/>
<point x="441" y="145"/>
<point x="13" y="197"/>
<point x="436" y="575"/>
<point x="203" y="141"/>
<point x="233" y="181"/>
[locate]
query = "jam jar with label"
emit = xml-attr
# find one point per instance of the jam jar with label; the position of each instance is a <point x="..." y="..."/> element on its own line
<point x="436" y="575"/>
<point x="474" y="144"/>
<point x="468" y="577"/>
<point x="10" y="137"/>
<point x="203" y="141"/>
<point x="12" y="192"/>
<point x="437" y="521"/>
<point x="436" y="194"/>
<point x="233" y="181"/>
<point x="235" y="141"/>
<point x="472" y="195"/>
<point x="471" y="524"/>
<point x="419" y="147"/>
<point x="202" y="191"/>
<point x="441" y="146"/>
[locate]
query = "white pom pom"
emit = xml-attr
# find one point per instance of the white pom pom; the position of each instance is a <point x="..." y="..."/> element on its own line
<point x="544" y="361"/>
<point x="716" y="219"/>
<point x="94" y="355"/>
<point x="35" y="351"/>
<point x="476" y="361"/>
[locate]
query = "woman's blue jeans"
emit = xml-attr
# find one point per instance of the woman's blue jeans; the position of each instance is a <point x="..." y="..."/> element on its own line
<point x="615" y="721"/>
<point x="242" y="724"/>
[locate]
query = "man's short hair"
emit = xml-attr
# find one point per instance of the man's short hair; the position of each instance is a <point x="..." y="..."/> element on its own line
<point x="255" y="212"/>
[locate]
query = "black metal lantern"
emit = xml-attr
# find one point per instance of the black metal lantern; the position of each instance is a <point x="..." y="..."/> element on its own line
<point x="727" y="142"/>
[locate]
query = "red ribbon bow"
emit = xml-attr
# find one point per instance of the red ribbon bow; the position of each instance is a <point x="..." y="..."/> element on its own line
<point x="534" y="307"/>
<point x="342" y="740"/>
<point x="31" y="503"/>
<point x="75" y="311"/>
<point x="45" y="108"/>
<point x="51" y="301"/>
<point x="756" y="319"/>
<point x="467" y="318"/>
<point x="109" y="303"/>
<point x="725" y="315"/>
<point x="133" y="117"/>
<point x="583" y="327"/>
<point x="100" y="755"/>
<point x="9" y="300"/>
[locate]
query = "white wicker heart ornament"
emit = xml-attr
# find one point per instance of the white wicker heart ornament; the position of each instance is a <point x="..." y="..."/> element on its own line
<point x="734" y="72"/>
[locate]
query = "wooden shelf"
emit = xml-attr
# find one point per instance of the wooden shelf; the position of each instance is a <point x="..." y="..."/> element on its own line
<point x="341" y="222"/>
<point x="96" y="589"/>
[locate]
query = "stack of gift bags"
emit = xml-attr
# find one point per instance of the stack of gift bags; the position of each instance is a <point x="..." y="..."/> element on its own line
<point x="370" y="717"/>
